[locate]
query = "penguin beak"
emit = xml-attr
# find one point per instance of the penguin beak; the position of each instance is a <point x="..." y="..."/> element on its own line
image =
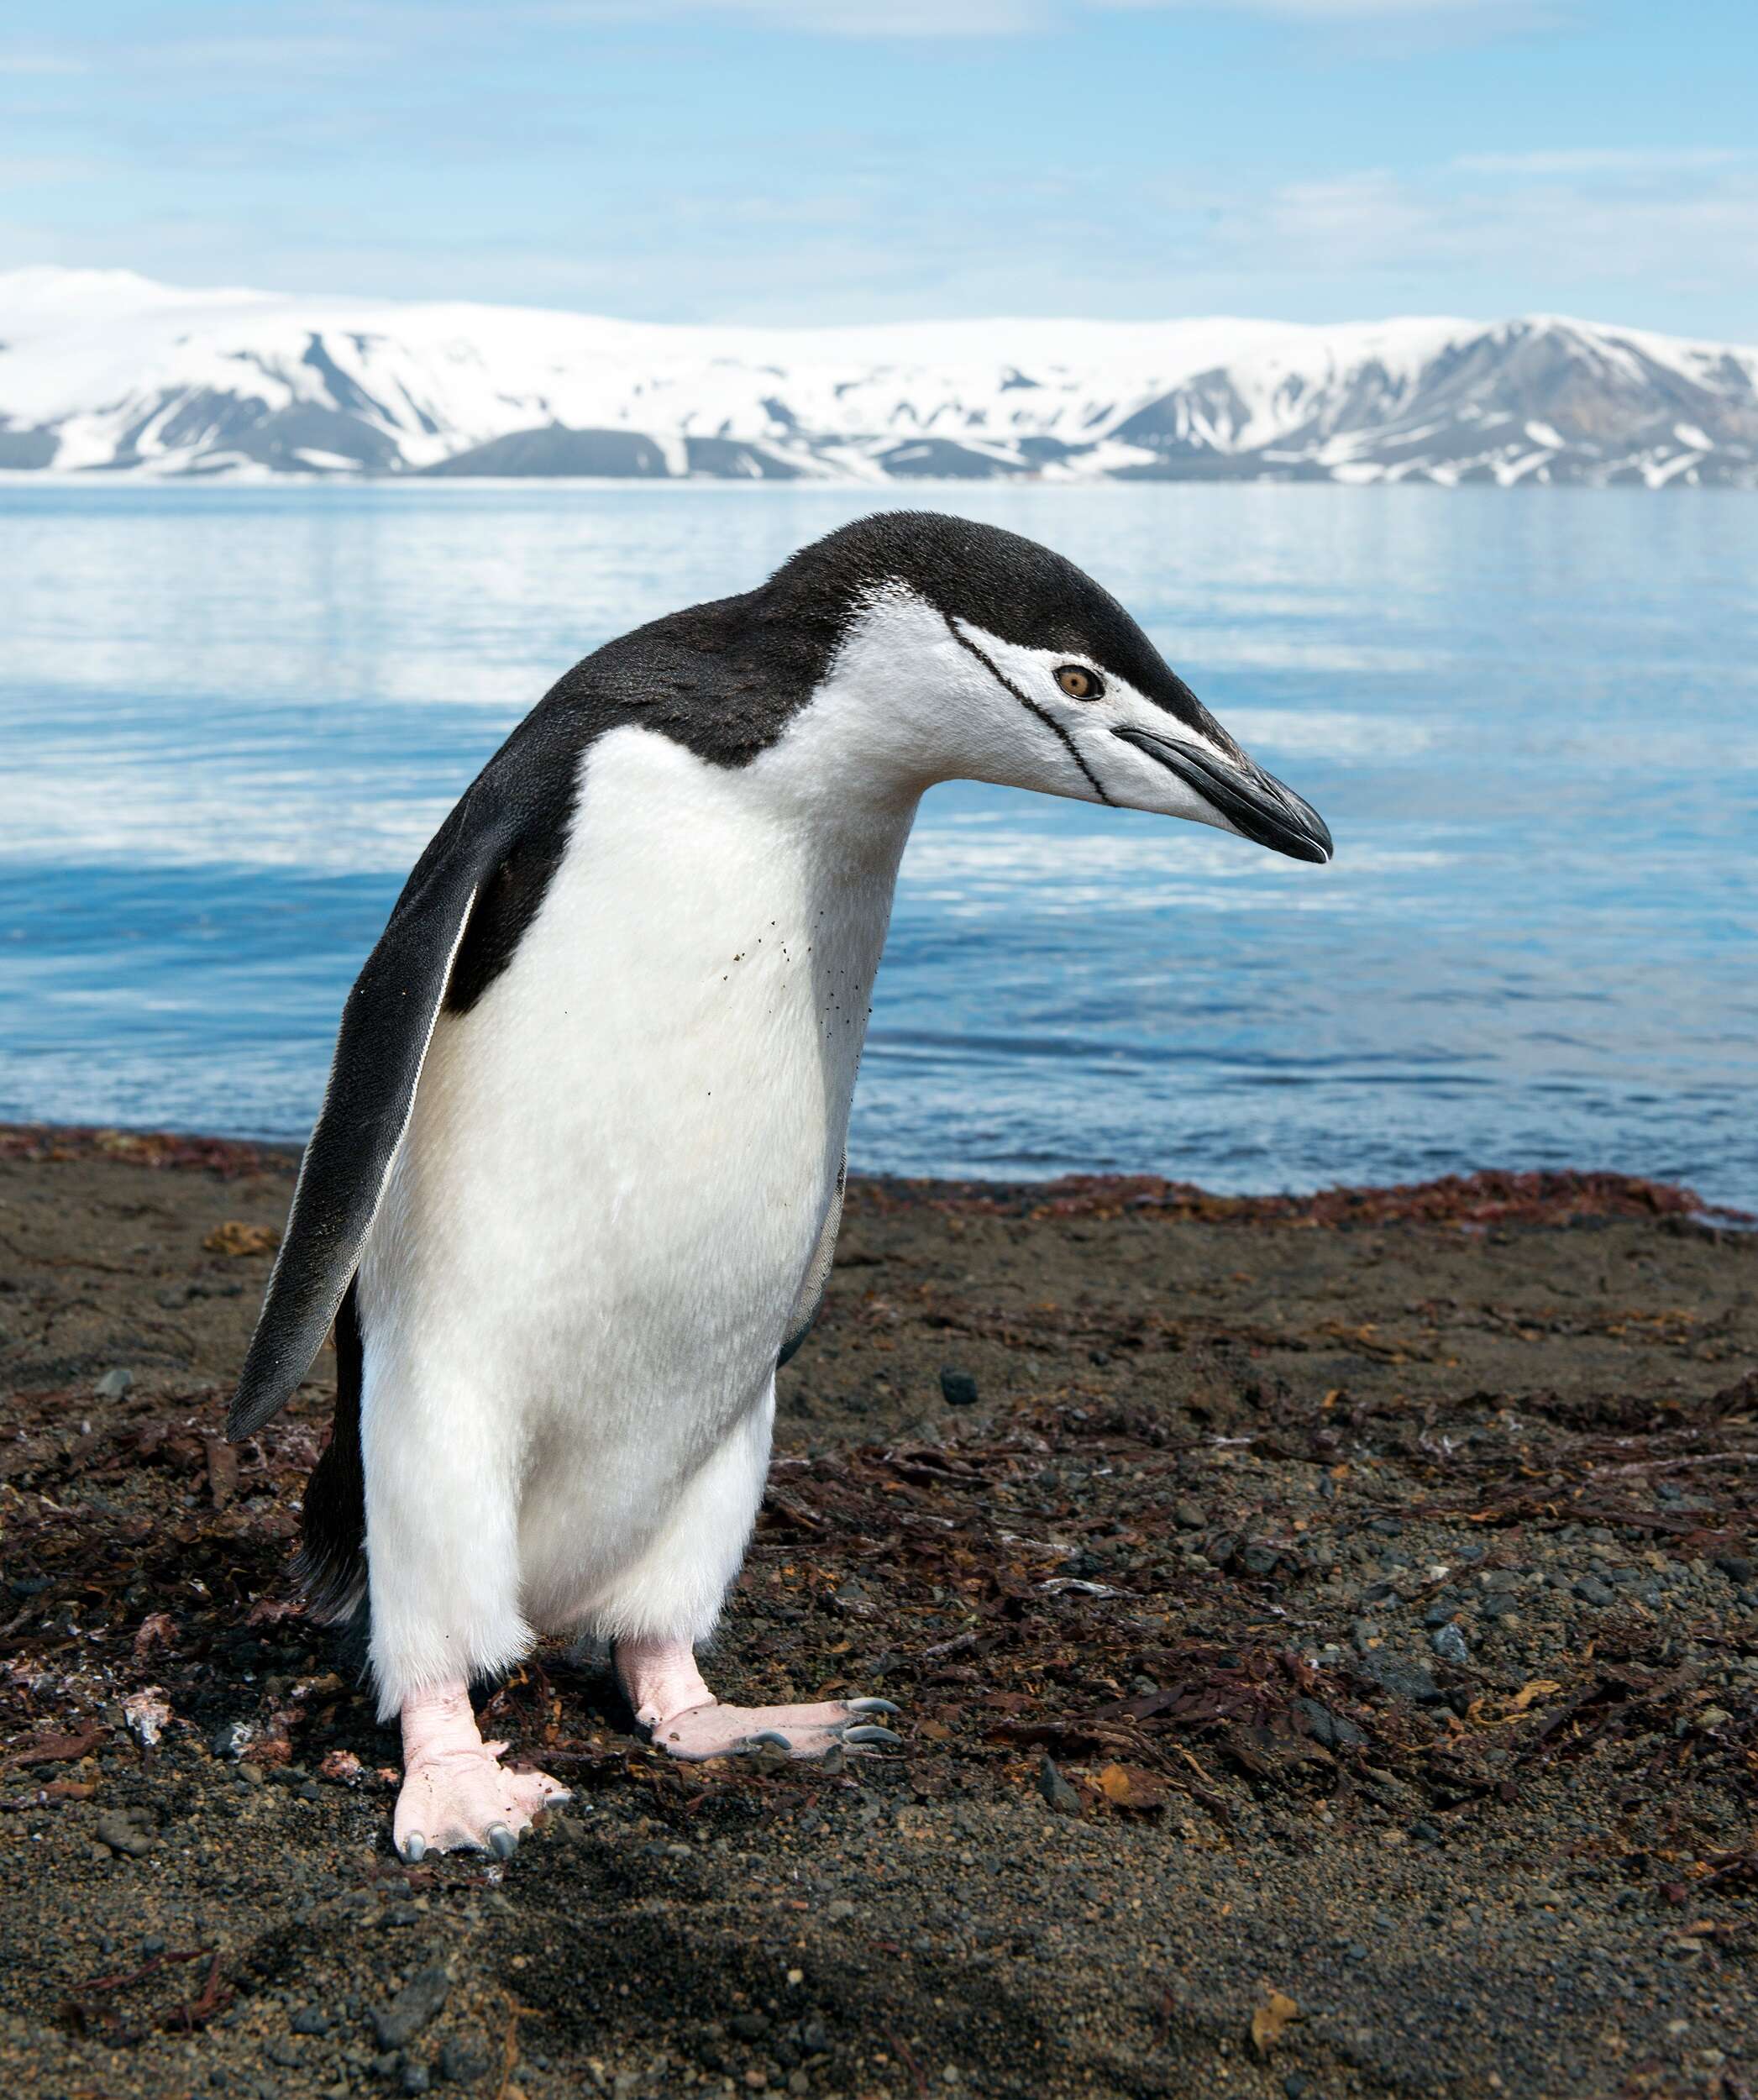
<point x="1254" y="803"/>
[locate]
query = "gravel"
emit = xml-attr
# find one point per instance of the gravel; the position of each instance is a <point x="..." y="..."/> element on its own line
<point x="1252" y="1463"/>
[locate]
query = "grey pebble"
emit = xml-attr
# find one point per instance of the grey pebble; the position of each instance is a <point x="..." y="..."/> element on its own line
<point x="1450" y="1645"/>
<point x="310" y="2020"/>
<point x="1404" y="1678"/>
<point x="1334" y="1731"/>
<point x="114" y="1383"/>
<point x="1591" y="1591"/>
<point x="1056" y="1790"/>
<point x="958" y="1388"/>
<point x="460" y="2064"/>
<point x="120" y="1828"/>
<point x="419" y="1999"/>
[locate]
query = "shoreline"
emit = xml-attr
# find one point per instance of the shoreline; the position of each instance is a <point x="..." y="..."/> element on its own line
<point x="1377" y="1571"/>
<point x="1485" y="1196"/>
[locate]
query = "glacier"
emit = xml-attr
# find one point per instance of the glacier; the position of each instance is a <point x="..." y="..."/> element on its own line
<point x="105" y="372"/>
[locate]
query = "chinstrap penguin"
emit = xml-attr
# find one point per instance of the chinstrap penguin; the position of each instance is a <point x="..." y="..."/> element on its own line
<point x="574" y="1187"/>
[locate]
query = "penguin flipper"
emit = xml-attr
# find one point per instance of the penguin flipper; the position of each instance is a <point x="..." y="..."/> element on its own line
<point x="387" y="1023"/>
<point x="811" y="1291"/>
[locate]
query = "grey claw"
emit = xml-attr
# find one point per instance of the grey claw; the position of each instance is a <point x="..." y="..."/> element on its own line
<point x="501" y="1842"/>
<point x="771" y="1736"/>
<point x="874" y="1706"/>
<point x="870" y="1735"/>
<point x="415" y="1849"/>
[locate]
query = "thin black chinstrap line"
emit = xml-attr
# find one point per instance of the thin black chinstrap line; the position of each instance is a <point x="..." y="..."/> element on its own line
<point x="1031" y="707"/>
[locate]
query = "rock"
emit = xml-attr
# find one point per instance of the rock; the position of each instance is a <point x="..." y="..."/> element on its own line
<point x="310" y="2020"/>
<point x="1499" y="1604"/>
<point x="460" y="2064"/>
<point x="126" y="1830"/>
<point x="114" y="1383"/>
<point x="1737" y="1567"/>
<point x="749" y="2027"/>
<point x="1403" y="1679"/>
<point x="1334" y="1731"/>
<point x="1450" y="1645"/>
<point x="420" y="1997"/>
<point x="1056" y="1790"/>
<point x="1591" y="1591"/>
<point x="958" y="1388"/>
<point x="1187" y="1516"/>
<point x="415" y="2078"/>
<point x="853" y="1598"/>
<point x="1441" y="1612"/>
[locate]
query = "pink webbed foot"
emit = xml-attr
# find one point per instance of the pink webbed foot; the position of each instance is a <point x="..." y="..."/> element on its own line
<point x="456" y="1794"/>
<point x="686" y="1719"/>
<point x="715" y="1730"/>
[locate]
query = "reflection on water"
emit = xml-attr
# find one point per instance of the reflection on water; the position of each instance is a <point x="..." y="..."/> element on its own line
<point x="231" y="717"/>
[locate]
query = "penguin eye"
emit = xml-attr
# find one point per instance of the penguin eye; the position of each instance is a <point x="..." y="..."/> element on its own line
<point x="1080" y="683"/>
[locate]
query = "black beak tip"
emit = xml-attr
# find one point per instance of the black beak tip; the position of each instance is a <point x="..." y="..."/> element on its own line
<point x="1256" y="804"/>
<point x="1312" y="840"/>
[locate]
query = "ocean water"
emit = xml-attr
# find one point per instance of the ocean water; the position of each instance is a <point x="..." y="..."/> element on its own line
<point x="230" y="718"/>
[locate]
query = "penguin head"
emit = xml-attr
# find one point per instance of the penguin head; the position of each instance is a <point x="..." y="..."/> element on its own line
<point x="959" y="651"/>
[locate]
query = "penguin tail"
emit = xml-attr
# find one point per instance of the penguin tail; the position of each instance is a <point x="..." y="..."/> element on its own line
<point x="331" y="1566"/>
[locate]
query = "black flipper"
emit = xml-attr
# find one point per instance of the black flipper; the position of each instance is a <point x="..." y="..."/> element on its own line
<point x="387" y="1025"/>
<point x="332" y="1566"/>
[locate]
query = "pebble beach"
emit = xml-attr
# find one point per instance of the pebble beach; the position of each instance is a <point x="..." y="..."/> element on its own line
<point x="1326" y="1630"/>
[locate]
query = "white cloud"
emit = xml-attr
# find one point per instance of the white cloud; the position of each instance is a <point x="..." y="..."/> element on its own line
<point x="843" y="17"/>
<point x="1621" y="160"/>
<point x="1697" y="228"/>
<point x="32" y="64"/>
<point x="1339" y="10"/>
<point x="1005" y="18"/>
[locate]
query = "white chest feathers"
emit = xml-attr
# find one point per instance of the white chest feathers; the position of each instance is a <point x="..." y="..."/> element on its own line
<point x="621" y="1155"/>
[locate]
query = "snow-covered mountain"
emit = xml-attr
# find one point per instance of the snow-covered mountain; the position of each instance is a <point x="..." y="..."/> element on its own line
<point x="104" y="370"/>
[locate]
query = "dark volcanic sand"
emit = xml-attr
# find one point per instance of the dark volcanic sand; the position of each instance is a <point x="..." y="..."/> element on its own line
<point x="1377" y="1574"/>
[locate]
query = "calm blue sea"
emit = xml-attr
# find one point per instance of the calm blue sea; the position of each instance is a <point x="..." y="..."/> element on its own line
<point x="229" y="717"/>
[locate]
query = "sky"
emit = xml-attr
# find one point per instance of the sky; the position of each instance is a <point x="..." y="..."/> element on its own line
<point x="849" y="161"/>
